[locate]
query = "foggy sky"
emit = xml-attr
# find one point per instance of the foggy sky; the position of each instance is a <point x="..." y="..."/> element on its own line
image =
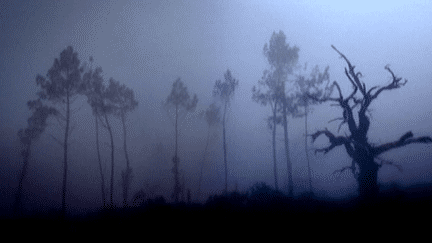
<point x="148" y="44"/>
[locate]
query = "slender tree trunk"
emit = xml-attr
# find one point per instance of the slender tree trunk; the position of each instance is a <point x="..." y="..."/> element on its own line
<point x="289" y="166"/>
<point x="176" y="161"/>
<point x="274" y="148"/>
<point x="128" y="172"/>
<point x="306" y="150"/>
<point x="100" y="162"/>
<point x="203" y="161"/>
<point x="183" y="188"/>
<point x="17" y="203"/>
<point x="65" y="154"/>
<point x="225" y="150"/>
<point x="112" y="160"/>
<point x="176" y="132"/>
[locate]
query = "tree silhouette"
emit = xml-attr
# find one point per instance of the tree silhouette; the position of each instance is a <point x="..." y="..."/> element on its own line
<point x="181" y="103"/>
<point x="282" y="59"/>
<point x="124" y="101"/>
<point x="96" y="98"/>
<point x="362" y="152"/>
<point x="212" y="117"/>
<point x="62" y="86"/>
<point x="269" y="83"/>
<point x="36" y="126"/>
<point x="310" y="86"/>
<point x="225" y="91"/>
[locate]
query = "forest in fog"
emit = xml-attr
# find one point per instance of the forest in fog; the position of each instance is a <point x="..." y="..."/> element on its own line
<point x="109" y="105"/>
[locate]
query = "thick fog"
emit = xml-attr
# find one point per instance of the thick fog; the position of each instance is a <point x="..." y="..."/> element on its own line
<point x="147" y="45"/>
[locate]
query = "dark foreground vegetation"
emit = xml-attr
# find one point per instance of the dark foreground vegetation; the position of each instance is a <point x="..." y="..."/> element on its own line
<point x="259" y="207"/>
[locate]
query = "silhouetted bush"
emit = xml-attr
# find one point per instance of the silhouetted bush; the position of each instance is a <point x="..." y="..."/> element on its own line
<point x="264" y="197"/>
<point x="233" y="200"/>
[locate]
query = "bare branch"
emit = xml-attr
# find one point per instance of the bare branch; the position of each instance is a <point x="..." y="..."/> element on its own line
<point x="350" y="79"/>
<point x="340" y="118"/>
<point x="335" y="141"/>
<point x="354" y="75"/>
<point x="340" y="92"/>
<point x="403" y="141"/>
<point x="352" y="168"/>
<point x="351" y="96"/>
<point x="393" y="85"/>
<point x="386" y="162"/>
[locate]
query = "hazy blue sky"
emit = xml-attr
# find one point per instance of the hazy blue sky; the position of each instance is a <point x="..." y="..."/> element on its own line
<point x="148" y="44"/>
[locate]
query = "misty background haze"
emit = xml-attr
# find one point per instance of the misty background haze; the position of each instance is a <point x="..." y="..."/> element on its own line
<point x="147" y="45"/>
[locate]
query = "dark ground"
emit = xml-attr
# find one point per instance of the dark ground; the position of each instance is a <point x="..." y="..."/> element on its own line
<point x="258" y="209"/>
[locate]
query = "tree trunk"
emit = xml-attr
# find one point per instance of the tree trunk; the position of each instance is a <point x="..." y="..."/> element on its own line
<point x="202" y="163"/>
<point x="176" y="161"/>
<point x="112" y="160"/>
<point x="368" y="181"/>
<point x="177" y="188"/>
<point x="100" y="162"/>
<point x="128" y="172"/>
<point x="224" y="148"/>
<point x="176" y="132"/>
<point x="65" y="150"/>
<point x="274" y="148"/>
<point x="306" y="151"/>
<point x="17" y="203"/>
<point x="289" y="166"/>
<point x="183" y="188"/>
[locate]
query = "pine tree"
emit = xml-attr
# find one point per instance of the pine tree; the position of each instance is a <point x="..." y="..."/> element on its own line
<point x="36" y="126"/>
<point x="124" y="101"/>
<point x="212" y="117"/>
<point x="179" y="103"/>
<point x="282" y="59"/>
<point x="225" y="91"/>
<point x="310" y="86"/>
<point x="61" y="86"/>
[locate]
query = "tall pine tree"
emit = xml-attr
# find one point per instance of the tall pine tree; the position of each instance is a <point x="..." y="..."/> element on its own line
<point x="225" y="91"/>
<point x="61" y="86"/>
<point x="179" y="103"/>
<point x="282" y="59"/>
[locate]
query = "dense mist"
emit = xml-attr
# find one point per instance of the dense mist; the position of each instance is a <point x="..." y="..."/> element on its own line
<point x="148" y="45"/>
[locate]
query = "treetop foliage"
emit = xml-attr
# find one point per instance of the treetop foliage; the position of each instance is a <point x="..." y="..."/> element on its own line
<point x="179" y="97"/>
<point x="37" y="122"/>
<point x="225" y="90"/>
<point x="279" y="54"/>
<point x="311" y="86"/>
<point x="115" y="98"/>
<point x="96" y="92"/>
<point x="63" y="78"/>
<point x="122" y="97"/>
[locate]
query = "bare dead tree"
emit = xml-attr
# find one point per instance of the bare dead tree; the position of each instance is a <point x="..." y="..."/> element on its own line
<point x="363" y="153"/>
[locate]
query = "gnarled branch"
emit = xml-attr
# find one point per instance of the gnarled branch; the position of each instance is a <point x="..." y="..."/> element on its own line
<point x="352" y="168"/>
<point x="352" y="73"/>
<point x="386" y="162"/>
<point x="403" y="141"/>
<point x="335" y="141"/>
<point x="393" y="85"/>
